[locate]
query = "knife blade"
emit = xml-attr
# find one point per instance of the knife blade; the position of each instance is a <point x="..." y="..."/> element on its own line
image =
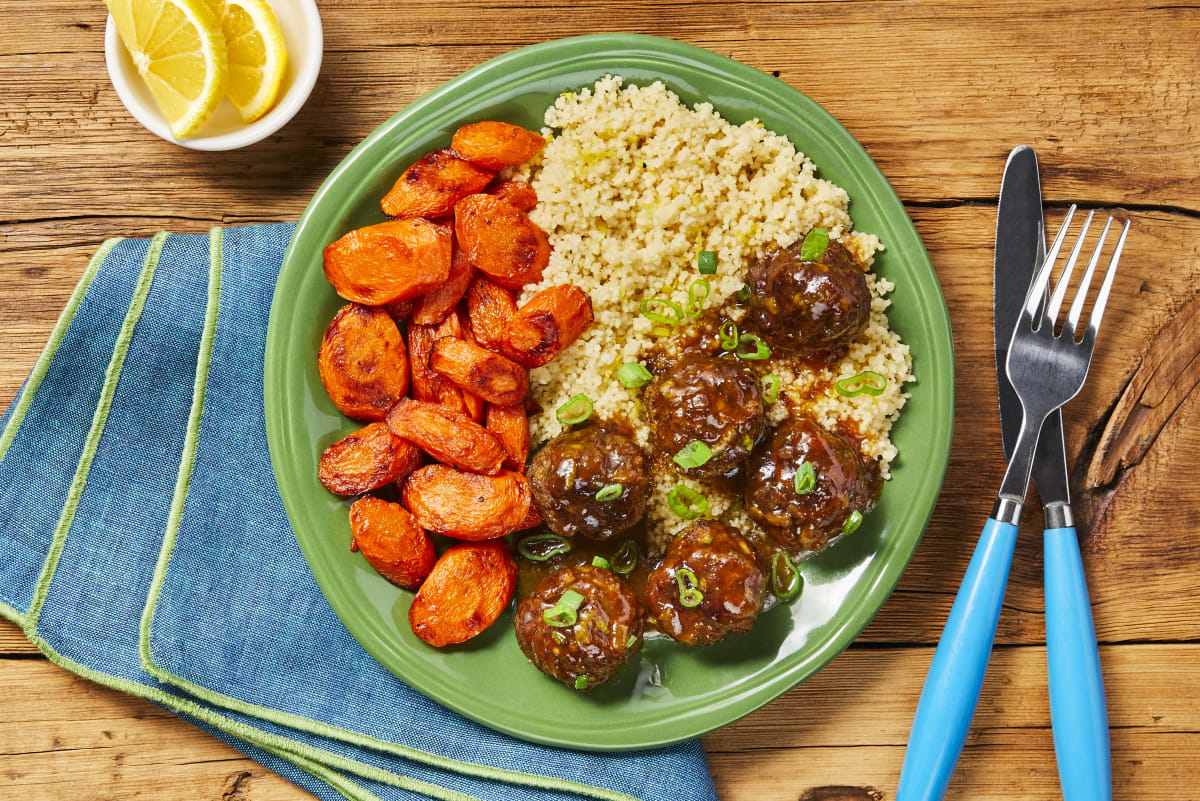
<point x="1020" y="249"/>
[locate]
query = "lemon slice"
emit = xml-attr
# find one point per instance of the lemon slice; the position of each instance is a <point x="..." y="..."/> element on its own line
<point x="179" y="50"/>
<point x="257" y="54"/>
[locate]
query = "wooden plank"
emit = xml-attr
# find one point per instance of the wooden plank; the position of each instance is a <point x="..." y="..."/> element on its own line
<point x="13" y="641"/>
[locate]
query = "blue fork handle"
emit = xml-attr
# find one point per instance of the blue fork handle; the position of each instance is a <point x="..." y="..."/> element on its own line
<point x="956" y="676"/>
<point x="1077" y="708"/>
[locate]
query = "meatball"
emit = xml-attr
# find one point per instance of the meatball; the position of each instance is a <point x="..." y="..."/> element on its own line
<point x="808" y="306"/>
<point x="591" y="481"/>
<point x="726" y="574"/>
<point x="710" y="400"/>
<point x="606" y="631"/>
<point x="845" y="483"/>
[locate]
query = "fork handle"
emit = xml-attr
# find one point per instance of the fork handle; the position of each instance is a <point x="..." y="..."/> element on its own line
<point x="1078" y="712"/>
<point x="956" y="676"/>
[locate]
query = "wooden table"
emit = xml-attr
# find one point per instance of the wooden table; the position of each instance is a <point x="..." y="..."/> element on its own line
<point x="1109" y="94"/>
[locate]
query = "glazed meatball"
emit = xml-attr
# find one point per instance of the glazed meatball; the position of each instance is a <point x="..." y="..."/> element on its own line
<point x="844" y="483"/>
<point x="570" y="471"/>
<point x="607" y="629"/>
<point x="808" y="306"/>
<point x="711" y="400"/>
<point x="727" y="577"/>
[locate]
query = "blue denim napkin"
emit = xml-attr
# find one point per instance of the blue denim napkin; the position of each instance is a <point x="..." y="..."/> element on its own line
<point x="140" y="549"/>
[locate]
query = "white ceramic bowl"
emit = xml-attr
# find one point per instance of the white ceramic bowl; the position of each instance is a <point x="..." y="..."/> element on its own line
<point x="224" y="130"/>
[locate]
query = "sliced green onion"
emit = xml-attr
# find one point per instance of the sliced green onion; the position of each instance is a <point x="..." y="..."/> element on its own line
<point x="852" y="522"/>
<point x="706" y="262"/>
<point x="729" y="335"/>
<point x="581" y="682"/>
<point x="743" y="294"/>
<point x="610" y="492"/>
<point x="694" y="454"/>
<point x="633" y="375"/>
<point x="540" y="547"/>
<point x="658" y="317"/>
<point x="806" y="478"/>
<point x="625" y="558"/>
<point x="689" y="587"/>
<point x="761" y="351"/>
<point x="814" y="245"/>
<point x="697" y="294"/>
<point x="576" y="410"/>
<point x="770" y="384"/>
<point x="867" y="381"/>
<point x="565" y="612"/>
<point x="686" y="502"/>
<point x="630" y="642"/>
<point x="600" y="561"/>
<point x="786" y="581"/>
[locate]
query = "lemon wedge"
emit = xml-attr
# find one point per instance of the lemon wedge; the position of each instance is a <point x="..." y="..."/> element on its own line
<point x="257" y="54"/>
<point x="180" y="53"/>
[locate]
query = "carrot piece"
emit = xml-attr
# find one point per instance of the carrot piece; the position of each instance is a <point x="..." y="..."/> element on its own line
<point x="433" y="184"/>
<point x="392" y="542"/>
<point x="549" y="322"/>
<point x="362" y="362"/>
<point x="534" y="518"/>
<point x="389" y="261"/>
<point x="400" y="310"/>
<point x="433" y="307"/>
<point x="521" y="195"/>
<point x="367" y="459"/>
<point x="447" y="435"/>
<point x="468" y="588"/>
<point x="489" y="308"/>
<point x="496" y="145"/>
<point x="474" y="406"/>
<point x="481" y="372"/>
<point x="467" y="506"/>
<point x="501" y="241"/>
<point x="511" y="427"/>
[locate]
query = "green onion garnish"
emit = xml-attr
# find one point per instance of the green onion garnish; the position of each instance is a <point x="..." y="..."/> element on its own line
<point x="867" y="381"/>
<point x="852" y="522"/>
<point x="565" y="612"/>
<point x="814" y="245"/>
<point x="805" y="479"/>
<point x="658" y="317"/>
<point x="689" y="587"/>
<point x="729" y="335"/>
<point x="743" y="294"/>
<point x="706" y="262"/>
<point x="630" y="642"/>
<point x="540" y="547"/>
<point x="610" y="492"/>
<point x="686" y="502"/>
<point x="694" y="454"/>
<point x="600" y="561"/>
<point x="697" y="294"/>
<point x="581" y="682"/>
<point x="770" y="384"/>
<point x="625" y="558"/>
<point x="786" y="581"/>
<point x="761" y="351"/>
<point x="576" y="410"/>
<point x="633" y="375"/>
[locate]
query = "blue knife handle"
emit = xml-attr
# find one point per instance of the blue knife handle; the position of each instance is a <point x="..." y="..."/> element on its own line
<point x="956" y="676"/>
<point x="1077" y="708"/>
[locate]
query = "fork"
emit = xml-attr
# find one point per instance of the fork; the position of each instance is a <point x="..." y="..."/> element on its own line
<point x="1046" y="370"/>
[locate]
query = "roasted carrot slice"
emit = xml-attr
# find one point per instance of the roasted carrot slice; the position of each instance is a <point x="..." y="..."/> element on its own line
<point x="501" y="241"/>
<point x="521" y="195"/>
<point x="389" y="261"/>
<point x="481" y="372"/>
<point x="447" y="435"/>
<point x="511" y="427"/>
<point x="432" y="185"/>
<point x="432" y="307"/>
<point x="467" y="506"/>
<point x="400" y="310"/>
<point x="547" y="324"/>
<point x="362" y="362"/>
<point x="496" y="145"/>
<point x="489" y="308"/>
<point x="368" y="458"/>
<point x="389" y="537"/>
<point x="534" y="518"/>
<point x="468" y="588"/>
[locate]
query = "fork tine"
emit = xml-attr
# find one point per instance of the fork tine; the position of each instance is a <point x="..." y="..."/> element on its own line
<point x="1093" y="325"/>
<point x="1085" y="283"/>
<point x="1037" y="289"/>
<point x="1064" y="278"/>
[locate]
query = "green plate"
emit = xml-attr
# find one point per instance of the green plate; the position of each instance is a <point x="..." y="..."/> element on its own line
<point x="670" y="693"/>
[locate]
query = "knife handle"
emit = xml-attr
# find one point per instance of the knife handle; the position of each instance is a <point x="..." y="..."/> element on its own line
<point x="956" y="676"/>
<point x="1078" y="711"/>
